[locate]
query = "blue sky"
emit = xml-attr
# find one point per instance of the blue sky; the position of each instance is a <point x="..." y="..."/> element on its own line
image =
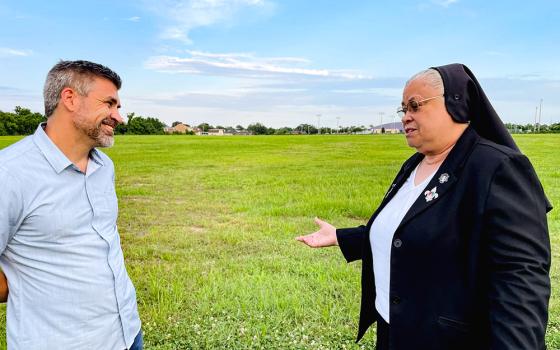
<point x="284" y="62"/>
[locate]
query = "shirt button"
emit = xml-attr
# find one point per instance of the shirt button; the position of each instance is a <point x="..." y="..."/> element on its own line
<point x="397" y="243"/>
<point x="395" y="300"/>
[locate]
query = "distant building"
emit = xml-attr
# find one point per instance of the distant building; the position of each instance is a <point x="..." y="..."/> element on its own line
<point x="388" y="128"/>
<point x="216" y="132"/>
<point x="179" y="128"/>
<point x="221" y="132"/>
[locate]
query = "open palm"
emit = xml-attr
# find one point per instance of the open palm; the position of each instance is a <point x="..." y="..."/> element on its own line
<point x="324" y="237"/>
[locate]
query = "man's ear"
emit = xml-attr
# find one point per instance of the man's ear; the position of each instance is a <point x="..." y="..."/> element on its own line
<point x="69" y="98"/>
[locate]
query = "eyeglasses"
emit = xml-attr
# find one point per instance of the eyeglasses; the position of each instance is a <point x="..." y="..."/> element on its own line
<point x="413" y="106"/>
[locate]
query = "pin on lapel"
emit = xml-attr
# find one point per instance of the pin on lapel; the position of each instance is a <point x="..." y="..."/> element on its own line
<point x="431" y="194"/>
<point x="443" y="178"/>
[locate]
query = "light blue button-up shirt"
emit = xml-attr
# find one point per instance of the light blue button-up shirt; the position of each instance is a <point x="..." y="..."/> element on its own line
<point x="60" y="250"/>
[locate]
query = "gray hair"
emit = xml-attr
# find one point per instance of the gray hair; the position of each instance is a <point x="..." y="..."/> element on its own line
<point x="431" y="77"/>
<point x="77" y="75"/>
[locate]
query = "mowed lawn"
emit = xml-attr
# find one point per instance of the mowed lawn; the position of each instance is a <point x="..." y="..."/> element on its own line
<point x="208" y="225"/>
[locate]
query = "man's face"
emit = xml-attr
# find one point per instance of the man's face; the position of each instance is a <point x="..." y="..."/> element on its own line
<point x="98" y="114"/>
<point x="425" y="128"/>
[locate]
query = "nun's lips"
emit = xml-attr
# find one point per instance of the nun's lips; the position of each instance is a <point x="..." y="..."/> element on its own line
<point x="409" y="131"/>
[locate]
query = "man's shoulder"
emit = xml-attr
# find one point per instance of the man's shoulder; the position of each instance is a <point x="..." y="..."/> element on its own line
<point x="17" y="153"/>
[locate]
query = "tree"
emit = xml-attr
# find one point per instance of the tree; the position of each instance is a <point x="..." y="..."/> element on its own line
<point x="205" y="127"/>
<point x="307" y="129"/>
<point x="143" y="126"/>
<point x="239" y="127"/>
<point x="283" y="131"/>
<point x="257" y="129"/>
<point x="21" y="122"/>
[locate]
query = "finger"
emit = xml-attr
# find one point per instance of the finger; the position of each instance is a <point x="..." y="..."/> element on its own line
<point x="319" y="221"/>
<point x="305" y="239"/>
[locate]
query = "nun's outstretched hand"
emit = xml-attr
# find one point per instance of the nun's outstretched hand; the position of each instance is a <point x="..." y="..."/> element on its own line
<point x="325" y="237"/>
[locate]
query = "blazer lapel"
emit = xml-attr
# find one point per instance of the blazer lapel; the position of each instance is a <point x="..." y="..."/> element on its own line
<point x="397" y="183"/>
<point x="445" y="177"/>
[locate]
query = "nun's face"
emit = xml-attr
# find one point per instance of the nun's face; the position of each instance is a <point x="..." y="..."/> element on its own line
<point x="426" y="123"/>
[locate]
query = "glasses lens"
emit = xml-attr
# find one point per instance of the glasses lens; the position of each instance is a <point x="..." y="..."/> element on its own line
<point x="413" y="105"/>
<point x="401" y="112"/>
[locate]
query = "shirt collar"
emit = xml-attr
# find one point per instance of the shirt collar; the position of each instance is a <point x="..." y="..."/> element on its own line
<point x="53" y="154"/>
<point x="96" y="157"/>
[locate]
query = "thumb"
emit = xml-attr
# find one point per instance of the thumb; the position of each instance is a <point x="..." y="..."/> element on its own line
<point x="319" y="221"/>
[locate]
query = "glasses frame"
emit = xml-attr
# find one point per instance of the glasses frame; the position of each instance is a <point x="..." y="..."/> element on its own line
<point x="414" y="105"/>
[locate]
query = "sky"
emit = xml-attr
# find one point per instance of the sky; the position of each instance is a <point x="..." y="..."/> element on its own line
<point x="285" y="62"/>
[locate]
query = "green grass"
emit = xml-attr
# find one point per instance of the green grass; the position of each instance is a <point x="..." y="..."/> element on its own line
<point x="208" y="226"/>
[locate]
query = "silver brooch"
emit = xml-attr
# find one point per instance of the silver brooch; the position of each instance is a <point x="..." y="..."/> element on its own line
<point x="443" y="178"/>
<point x="431" y="194"/>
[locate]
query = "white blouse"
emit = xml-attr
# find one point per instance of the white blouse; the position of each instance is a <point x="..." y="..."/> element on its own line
<point x="381" y="237"/>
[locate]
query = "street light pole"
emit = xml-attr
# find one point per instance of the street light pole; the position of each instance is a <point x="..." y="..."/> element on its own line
<point x="337" y="125"/>
<point x="535" y="127"/>
<point x="540" y="111"/>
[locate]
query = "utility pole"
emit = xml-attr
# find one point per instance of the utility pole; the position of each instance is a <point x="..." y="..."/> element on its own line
<point x="318" y="124"/>
<point x="540" y="111"/>
<point x="535" y="127"/>
<point x="337" y="125"/>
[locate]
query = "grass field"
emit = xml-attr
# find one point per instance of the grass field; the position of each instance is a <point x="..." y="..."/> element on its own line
<point x="208" y="225"/>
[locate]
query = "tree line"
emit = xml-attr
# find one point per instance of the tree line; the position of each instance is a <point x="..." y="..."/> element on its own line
<point x="24" y="122"/>
<point x="305" y="129"/>
<point x="532" y="128"/>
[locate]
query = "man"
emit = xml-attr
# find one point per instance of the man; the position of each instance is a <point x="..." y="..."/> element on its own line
<point x="59" y="244"/>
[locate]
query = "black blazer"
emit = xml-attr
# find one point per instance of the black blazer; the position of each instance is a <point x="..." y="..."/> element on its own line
<point x="470" y="268"/>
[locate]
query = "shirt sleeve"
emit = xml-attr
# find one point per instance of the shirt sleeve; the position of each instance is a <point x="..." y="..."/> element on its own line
<point x="518" y="257"/>
<point x="11" y="208"/>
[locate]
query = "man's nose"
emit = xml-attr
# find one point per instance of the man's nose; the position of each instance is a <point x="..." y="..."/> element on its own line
<point x="115" y="114"/>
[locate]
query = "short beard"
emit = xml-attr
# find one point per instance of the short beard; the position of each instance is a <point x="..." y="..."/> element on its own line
<point x="94" y="132"/>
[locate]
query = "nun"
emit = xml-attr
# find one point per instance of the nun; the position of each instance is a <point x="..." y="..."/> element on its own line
<point x="457" y="255"/>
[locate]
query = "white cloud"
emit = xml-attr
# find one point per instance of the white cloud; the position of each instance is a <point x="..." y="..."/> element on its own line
<point x="385" y="92"/>
<point x="133" y="19"/>
<point x="181" y="16"/>
<point x="6" y="51"/>
<point x="445" y="3"/>
<point x="243" y="65"/>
